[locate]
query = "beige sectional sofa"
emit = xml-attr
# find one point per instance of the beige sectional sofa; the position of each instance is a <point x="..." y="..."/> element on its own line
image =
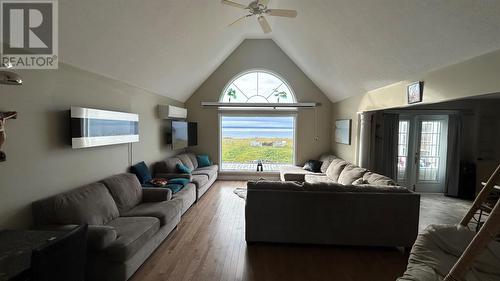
<point x="126" y="222"/>
<point x="297" y="173"/>
<point x="202" y="177"/>
<point x="347" y="205"/>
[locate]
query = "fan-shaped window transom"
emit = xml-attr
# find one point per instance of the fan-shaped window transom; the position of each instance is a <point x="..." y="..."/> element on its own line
<point x="257" y="87"/>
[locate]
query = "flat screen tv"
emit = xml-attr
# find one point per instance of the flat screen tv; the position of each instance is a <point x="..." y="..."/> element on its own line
<point x="94" y="127"/>
<point x="179" y="134"/>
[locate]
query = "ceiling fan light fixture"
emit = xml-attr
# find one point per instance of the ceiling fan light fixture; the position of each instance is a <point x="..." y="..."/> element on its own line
<point x="259" y="8"/>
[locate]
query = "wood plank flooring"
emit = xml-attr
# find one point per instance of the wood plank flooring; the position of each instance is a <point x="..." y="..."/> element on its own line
<point x="209" y="244"/>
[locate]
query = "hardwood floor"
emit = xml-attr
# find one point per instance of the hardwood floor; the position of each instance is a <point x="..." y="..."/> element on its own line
<point x="209" y="244"/>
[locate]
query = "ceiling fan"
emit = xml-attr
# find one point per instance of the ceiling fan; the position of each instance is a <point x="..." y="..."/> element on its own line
<point x="259" y="8"/>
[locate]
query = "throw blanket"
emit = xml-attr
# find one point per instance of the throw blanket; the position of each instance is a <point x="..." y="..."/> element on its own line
<point x="439" y="247"/>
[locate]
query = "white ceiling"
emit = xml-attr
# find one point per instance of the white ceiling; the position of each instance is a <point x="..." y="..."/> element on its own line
<point x="346" y="47"/>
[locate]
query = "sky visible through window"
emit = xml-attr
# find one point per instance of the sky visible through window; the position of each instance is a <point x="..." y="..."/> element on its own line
<point x="255" y="127"/>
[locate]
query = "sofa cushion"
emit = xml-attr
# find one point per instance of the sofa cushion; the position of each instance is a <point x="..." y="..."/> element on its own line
<point x="141" y="171"/>
<point x="210" y="171"/>
<point x="132" y="234"/>
<point x="186" y="161"/>
<point x="294" y="173"/>
<point x="125" y="189"/>
<point x="193" y="159"/>
<point x="100" y="236"/>
<point x="327" y="160"/>
<point x="165" y="211"/>
<point x="185" y="197"/>
<point x="377" y="179"/>
<point x="335" y="168"/>
<point x="90" y="204"/>
<point x="171" y="165"/>
<point x="359" y="181"/>
<point x="350" y="173"/>
<point x="317" y="179"/>
<point x="200" y="180"/>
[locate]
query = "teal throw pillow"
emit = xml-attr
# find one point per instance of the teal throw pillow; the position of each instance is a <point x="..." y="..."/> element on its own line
<point x="181" y="181"/>
<point x="203" y="160"/>
<point x="141" y="170"/>
<point x="181" y="168"/>
<point x="174" y="187"/>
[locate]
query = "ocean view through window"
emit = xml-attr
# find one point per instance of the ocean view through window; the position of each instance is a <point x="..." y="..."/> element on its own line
<point x="248" y="140"/>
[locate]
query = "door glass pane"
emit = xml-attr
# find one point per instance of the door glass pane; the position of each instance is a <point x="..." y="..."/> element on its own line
<point x="404" y="126"/>
<point x="430" y="138"/>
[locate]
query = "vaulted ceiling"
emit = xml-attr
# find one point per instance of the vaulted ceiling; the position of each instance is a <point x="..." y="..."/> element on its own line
<point x="346" y="47"/>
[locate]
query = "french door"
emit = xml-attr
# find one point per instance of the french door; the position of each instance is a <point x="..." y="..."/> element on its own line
<point x="422" y="146"/>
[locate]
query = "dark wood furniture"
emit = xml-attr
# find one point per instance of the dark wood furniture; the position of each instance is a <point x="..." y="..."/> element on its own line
<point x="16" y="247"/>
<point x="61" y="259"/>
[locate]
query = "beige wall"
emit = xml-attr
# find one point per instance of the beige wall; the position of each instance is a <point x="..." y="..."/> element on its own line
<point x="263" y="54"/>
<point x="477" y="76"/>
<point x="40" y="163"/>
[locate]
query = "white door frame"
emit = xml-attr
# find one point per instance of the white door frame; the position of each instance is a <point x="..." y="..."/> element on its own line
<point x="413" y="161"/>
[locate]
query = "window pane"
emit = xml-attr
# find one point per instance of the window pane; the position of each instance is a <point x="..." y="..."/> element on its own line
<point x="234" y="94"/>
<point x="402" y="150"/>
<point x="268" y="83"/>
<point x="258" y="87"/>
<point x="246" y="140"/>
<point x="429" y="151"/>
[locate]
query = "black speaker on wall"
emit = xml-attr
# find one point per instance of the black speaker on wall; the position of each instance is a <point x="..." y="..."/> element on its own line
<point x="192" y="133"/>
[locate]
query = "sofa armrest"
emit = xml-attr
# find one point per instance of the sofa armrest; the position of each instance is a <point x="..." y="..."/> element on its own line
<point x="169" y="176"/>
<point x="98" y="236"/>
<point x="156" y="194"/>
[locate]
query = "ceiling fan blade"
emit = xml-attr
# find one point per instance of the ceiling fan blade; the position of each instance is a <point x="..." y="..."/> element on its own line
<point x="234" y="22"/>
<point x="282" y="13"/>
<point x="234" y="4"/>
<point x="264" y="24"/>
<point x="264" y="2"/>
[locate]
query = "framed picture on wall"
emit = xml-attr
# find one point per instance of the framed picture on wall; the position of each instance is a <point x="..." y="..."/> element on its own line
<point x="414" y="92"/>
<point x="343" y="131"/>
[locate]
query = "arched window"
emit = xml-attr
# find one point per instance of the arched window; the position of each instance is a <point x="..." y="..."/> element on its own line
<point x="257" y="86"/>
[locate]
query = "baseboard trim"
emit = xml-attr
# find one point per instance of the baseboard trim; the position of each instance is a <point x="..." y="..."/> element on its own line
<point x="248" y="176"/>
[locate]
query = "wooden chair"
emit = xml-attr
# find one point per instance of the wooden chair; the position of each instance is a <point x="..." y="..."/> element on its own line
<point x="62" y="259"/>
<point x="488" y="232"/>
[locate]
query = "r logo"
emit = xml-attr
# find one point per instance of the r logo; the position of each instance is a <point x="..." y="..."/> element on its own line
<point x="27" y="28"/>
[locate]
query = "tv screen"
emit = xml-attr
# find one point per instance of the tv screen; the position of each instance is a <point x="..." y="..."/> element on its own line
<point x="179" y="134"/>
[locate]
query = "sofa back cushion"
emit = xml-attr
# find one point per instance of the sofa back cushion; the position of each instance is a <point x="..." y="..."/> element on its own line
<point x="90" y="204"/>
<point x="335" y="168"/>
<point x="168" y="165"/>
<point x="377" y="179"/>
<point x="185" y="159"/>
<point x="351" y="173"/>
<point x="125" y="189"/>
<point x="193" y="159"/>
<point x="327" y="160"/>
